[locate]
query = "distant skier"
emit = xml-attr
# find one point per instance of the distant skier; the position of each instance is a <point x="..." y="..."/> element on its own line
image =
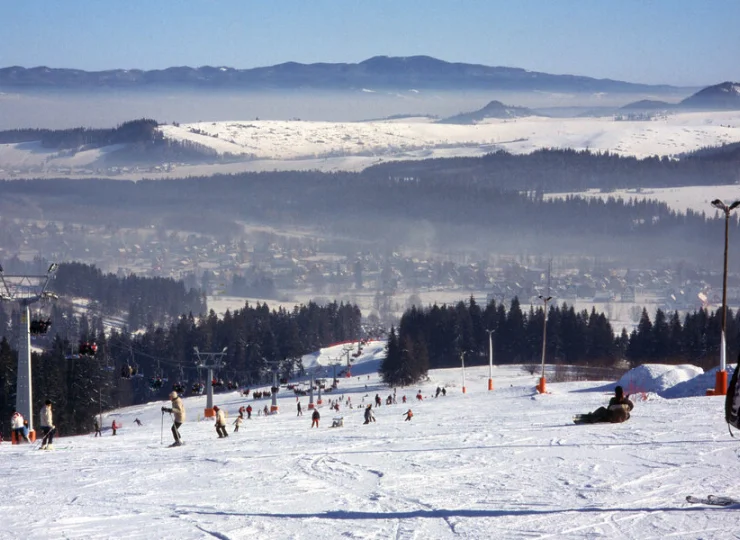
<point x="16" y="424"/>
<point x="300" y="409"/>
<point x="238" y="422"/>
<point x="96" y="426"/>
<point x="220" y="422"/>
<point x="138" y="422"/>
<point x="249" y="412"/>
<point x="315" y="417"/>
<point x="266" y="410"/>
<point x="377" y="400"/>
<point x="114" y="427"/>
<point x="444" y="391"/>
<point x="618" y="410"/>
<point x="47" y="426"/>
<point x="438" y="392"/>
<point x="369" y="417"/>
<point x="409" y="415"/>
<point x="178" y="408"/>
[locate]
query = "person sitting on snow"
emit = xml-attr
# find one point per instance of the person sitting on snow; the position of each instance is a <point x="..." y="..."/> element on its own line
<point x="618" y="410"/>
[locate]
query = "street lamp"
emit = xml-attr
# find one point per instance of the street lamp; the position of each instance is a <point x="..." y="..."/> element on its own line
<point x="542" y="384"/>
<point x="462" y="359"/>
<point x="720" y="383"/>
<point x="490" y="359"/>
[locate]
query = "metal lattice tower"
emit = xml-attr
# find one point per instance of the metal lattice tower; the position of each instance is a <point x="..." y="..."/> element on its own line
<point x="274" y="367"/>
<point x="209" y="361"/>
<point x="26" y="290"/>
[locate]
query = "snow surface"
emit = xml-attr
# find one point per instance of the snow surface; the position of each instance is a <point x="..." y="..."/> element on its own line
<point x="501" y="464"/>
<point x="680" y="199"/>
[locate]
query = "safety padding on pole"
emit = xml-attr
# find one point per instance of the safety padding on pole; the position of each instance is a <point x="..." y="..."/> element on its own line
<point x="720" y="383"/>
<point x="310" y="406"/>
<point x="490" y="384"/>
<point x="542" y="386"/>
<point x="464" y="390"/>
<point x="273" y="408"/>
<point x="319" y="401"/>
<point x="209" y="413"/>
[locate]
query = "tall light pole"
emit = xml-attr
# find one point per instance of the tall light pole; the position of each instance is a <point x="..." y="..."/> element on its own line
<point x="542" y="385"/>
<point x="720" y="383"/>
<point x="490" y="359"/>
<point x="462" y="359"/>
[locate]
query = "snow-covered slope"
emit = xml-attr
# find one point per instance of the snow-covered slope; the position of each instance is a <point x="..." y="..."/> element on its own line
<point x="502" y="464"/>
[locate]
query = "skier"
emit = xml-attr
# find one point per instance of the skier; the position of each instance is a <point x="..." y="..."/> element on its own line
<point x="266" y="410"/>
<point x="377" y="400"/>
<point x="47" y="426"/>
<point x="369" y="417"/>
<point x="300" y="410"/>
<point x="114" y="427"/>
<point x="179" y="410"/>
<point x="220" y="422"/>
<point x="315" y="417"/>
<point x="618" y="410"/>
<point x="96" y="425"/>
<point x="438" y="392"/>
<point x="138" y="422"/>
<point x="238" y="422"/>
<point x="16" y="424"/>
<point x="249" y="412"/>
<point x="409" y="415"/>
<point x="444" y="391"/>
<point x="403" y="398"/>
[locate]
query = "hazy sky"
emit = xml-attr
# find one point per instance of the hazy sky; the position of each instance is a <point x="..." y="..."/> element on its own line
<point x="679" y="42"/>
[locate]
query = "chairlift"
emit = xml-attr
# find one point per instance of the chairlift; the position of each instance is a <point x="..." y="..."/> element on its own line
<point x="39" y="326"/>
<point x="198" y="388"/>
<point x="88" y="348"/>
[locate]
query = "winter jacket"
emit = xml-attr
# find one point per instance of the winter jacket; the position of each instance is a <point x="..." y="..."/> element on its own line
<point x="46" y="417"/>
<point x="178" y="409"/>
<point x="315" y="415"/>
<point x="619" y="409"/>
<point x="16" y="422"/>
<point x="220" y="418"/>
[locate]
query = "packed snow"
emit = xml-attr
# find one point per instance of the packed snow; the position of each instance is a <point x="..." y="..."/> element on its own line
<point x="503" y="464"/>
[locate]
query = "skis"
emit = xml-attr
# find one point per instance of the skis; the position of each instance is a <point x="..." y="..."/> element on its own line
<point x="713" y="500"/>
<point x="582" y="419"/>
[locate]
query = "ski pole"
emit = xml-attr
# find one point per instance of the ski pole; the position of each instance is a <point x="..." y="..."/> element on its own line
<point x="161" y="431"/>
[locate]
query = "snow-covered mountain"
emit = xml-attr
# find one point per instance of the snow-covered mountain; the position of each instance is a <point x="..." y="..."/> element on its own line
<point x="503" y="464"/>
<point x="724" y="96"/>
<point x="494" y="109"/>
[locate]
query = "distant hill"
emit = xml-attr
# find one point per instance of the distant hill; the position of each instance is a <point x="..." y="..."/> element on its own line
<point x="725" y="96"/>
<point x="378" y="73"/>
<point x="648" y="105"/>
<point x="495" y="109"/>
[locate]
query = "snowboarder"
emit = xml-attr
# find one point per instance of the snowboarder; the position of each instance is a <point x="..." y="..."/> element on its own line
<point x="369" y="417"/>
<point x="114" y="427"/>
<point x="96" y="425"/>
<point x="409" y="415"/>
<point x="249" y="412"/>
<point x="315" y="417"/>
<point x="178" y="408"/>
<point x="47" y="426"/>
<point x="300" y="410"/>
<point x="618" y="410"/>
<point x="16" y="424"/>
<point x="220" y="422"/>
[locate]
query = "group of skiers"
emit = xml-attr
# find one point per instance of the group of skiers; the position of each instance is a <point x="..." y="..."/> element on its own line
<point x="19" y="426"/>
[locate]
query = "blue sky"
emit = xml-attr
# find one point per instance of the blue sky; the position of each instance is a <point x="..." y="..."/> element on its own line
<point x="669" y="41"/>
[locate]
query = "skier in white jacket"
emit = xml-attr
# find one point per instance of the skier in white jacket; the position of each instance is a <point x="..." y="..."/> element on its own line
<point x="47" y="426"/>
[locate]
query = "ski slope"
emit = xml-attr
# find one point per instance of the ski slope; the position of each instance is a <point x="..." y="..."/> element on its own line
<point x="502" y="464"/>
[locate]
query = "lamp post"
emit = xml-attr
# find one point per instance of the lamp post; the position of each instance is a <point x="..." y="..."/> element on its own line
<point x="720" y="384"/>
<point x="490" y="359"/>
<point x="462" y="359"/>
<point x="541" y="386"/>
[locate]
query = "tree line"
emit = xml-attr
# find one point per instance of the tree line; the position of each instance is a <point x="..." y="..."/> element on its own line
<point x="436" y="337"/>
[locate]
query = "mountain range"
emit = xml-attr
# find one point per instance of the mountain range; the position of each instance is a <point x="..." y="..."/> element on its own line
<point x="723" y="96"/>
<point x="377" y="73"/>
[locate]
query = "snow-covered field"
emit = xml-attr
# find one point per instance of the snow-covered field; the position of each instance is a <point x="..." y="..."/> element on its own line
<point x="696" y="198"/>
<point x="284" y="140"/>
<point x="502" y="464"/>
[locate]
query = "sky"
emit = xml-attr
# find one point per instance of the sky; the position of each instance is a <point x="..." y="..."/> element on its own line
<point x="679" y="42"/>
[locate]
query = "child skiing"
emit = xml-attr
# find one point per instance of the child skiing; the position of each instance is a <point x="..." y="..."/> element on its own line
<point x="178" y="408"/>
<point x="238" y="422"/>
<point x="315" y="417"/>
<point x="409" y="415"/>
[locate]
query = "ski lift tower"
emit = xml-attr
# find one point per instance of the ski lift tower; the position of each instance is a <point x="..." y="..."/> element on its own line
<point x="346" y="350"/>
<point x="209" y="361"/>
<point x="274" y="367"/>
<point x="26" y="290"/>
